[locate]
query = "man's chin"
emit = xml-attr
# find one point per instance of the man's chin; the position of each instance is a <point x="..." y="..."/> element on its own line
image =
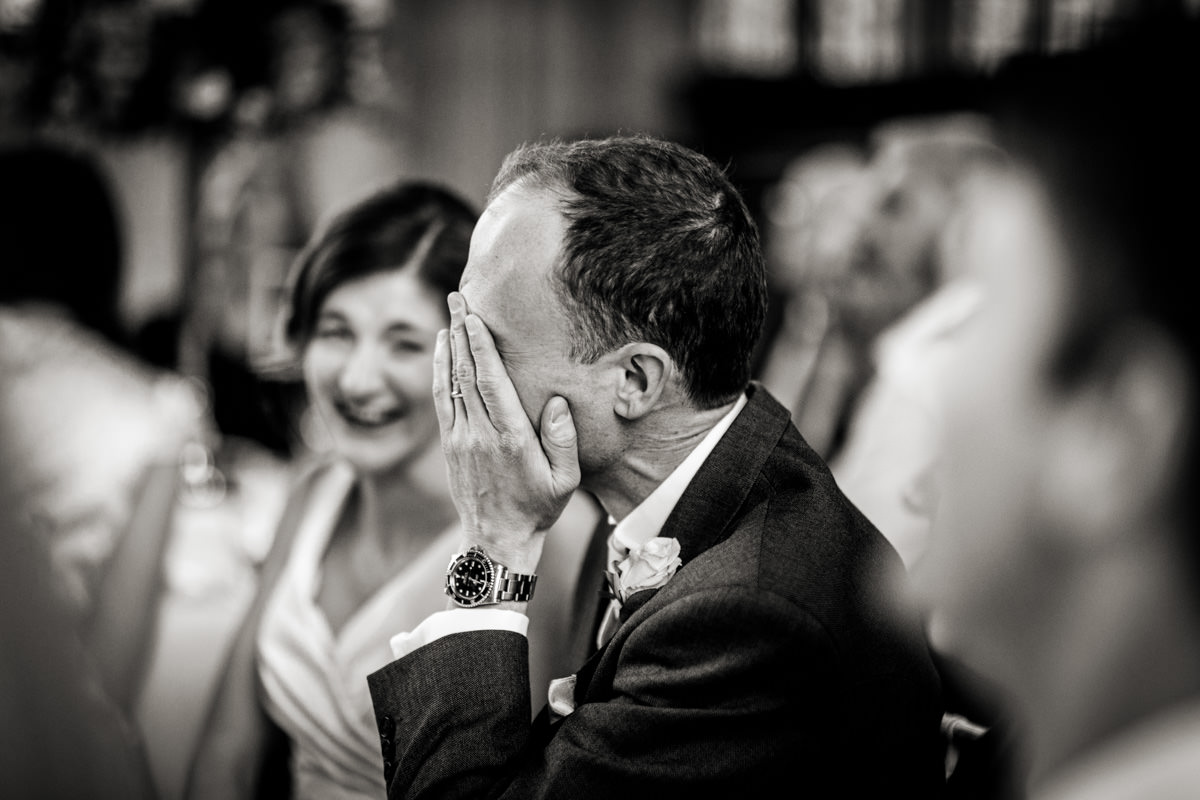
<point x="595" y="476"/>
<point x="586" y="479"/>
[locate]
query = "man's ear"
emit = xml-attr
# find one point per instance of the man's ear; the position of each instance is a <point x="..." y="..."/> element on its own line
<point x="646" y="374"/>
<point x="1117" y="444"/>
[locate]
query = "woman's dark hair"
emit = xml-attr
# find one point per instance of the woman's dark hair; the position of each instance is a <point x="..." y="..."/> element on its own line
<point x="410" y="224"/>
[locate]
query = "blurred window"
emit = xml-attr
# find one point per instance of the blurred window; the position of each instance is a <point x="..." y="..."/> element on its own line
<point x="985" y="32"/>
<point x="17" y="15"/>
<point x="749" y="37"/>
<point x="860" y="40"/>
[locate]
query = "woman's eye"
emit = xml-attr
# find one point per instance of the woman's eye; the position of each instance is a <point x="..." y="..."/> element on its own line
<point x="407" y="346"/>
<point x="333" y="333"/>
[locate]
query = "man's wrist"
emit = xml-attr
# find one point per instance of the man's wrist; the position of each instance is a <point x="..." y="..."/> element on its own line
<point x="521" y="557"/>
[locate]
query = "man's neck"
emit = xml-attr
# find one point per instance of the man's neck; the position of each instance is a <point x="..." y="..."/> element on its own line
<point x="657" y="446"/>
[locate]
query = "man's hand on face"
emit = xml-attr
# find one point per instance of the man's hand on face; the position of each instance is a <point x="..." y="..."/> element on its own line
<point x="509" y="484"/>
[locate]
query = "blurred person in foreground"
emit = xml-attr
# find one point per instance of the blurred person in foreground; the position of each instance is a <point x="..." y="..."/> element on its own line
<point x="1064" y="562"/>
<point x="362" y="545"/>
<point x="80" y="463"/>
<point x="47" y="684"/>
<point x="89" y="438"/>
<point x="602" y="338"/>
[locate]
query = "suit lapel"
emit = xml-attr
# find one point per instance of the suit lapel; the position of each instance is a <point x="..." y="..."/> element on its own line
<point x="583" y="678"/>
<point x="702" y="517"/>
<point x="635" y="601"/>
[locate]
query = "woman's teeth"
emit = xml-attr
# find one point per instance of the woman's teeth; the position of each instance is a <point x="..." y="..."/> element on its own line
<point x="370" y="419"/>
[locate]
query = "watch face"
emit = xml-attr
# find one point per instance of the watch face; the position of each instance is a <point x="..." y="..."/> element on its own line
<point x="470" y="579"/>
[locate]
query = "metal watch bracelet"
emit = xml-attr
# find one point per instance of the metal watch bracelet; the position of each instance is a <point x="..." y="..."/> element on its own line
<point x="516" y="587"/>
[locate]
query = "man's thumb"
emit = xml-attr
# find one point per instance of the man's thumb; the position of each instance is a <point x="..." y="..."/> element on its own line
<point x="559" y="441"/>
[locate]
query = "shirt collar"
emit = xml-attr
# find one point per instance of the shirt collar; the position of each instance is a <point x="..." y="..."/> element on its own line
<point x="647" y="519"/>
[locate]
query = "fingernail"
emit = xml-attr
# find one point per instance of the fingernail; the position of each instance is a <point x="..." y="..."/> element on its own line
<point x="559" y="412"/>
<point x="454" y="302"/>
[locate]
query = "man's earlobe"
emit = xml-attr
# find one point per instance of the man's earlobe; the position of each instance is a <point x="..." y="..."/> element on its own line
<point x="1156" y="399"/>
<point x="646" y="371"/>
<point x="1122" y="439"/>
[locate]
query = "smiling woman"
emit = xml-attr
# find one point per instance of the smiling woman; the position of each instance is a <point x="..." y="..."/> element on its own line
<point x="368" y="369"/>
<point x="361" y="552"/>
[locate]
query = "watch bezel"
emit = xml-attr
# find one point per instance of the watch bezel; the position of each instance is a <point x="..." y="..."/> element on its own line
<point x="487" y="595"/>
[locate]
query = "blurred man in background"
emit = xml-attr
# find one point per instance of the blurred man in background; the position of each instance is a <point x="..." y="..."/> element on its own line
<point x="814" y="215"/>
<point x="902" y="300"/>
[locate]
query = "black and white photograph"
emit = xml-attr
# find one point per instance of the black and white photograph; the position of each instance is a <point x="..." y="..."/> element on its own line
<point x="558" y="400"/>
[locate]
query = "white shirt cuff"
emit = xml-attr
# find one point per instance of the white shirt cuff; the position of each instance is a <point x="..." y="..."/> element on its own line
<point x="458" y="620"/>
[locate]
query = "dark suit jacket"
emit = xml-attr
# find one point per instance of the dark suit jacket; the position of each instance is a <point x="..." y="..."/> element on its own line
<point x="773" y="659"/>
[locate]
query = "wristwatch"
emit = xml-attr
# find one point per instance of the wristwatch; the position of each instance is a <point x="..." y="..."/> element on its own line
<point x="474" y="579"/>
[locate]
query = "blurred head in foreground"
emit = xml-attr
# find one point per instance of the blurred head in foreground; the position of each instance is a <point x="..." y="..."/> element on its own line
<point x="1064" y="564"/>
<point x="61" y="236"/>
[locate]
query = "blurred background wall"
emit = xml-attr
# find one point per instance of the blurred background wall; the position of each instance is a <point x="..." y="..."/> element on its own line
<point x="160" y="89"/>
<point x="478" y="78"/>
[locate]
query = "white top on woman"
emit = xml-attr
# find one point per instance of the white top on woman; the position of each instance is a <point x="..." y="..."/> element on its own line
<point x="314" y="679"/>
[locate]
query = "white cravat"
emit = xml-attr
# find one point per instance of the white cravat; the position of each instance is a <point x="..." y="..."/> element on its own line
<point x="608" y="625"/>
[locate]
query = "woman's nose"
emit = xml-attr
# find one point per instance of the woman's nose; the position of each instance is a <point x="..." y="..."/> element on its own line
<point x="362" y="374"/>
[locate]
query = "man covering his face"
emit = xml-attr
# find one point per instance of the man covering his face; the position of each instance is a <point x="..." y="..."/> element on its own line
<point x="602" y="339"/>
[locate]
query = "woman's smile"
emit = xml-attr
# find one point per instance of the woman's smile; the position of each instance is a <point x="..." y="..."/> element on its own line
<point x="367" y="417"/>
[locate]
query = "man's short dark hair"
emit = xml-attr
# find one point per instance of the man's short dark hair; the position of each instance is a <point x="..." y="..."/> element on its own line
<point x="660" y="248"/>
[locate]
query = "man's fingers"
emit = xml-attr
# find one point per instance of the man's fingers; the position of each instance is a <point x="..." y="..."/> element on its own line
<point x="464" y="363"/>
<point x="496" y="389"/>
<point x="442" y="381"/>
<point x="560" y="444"/>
